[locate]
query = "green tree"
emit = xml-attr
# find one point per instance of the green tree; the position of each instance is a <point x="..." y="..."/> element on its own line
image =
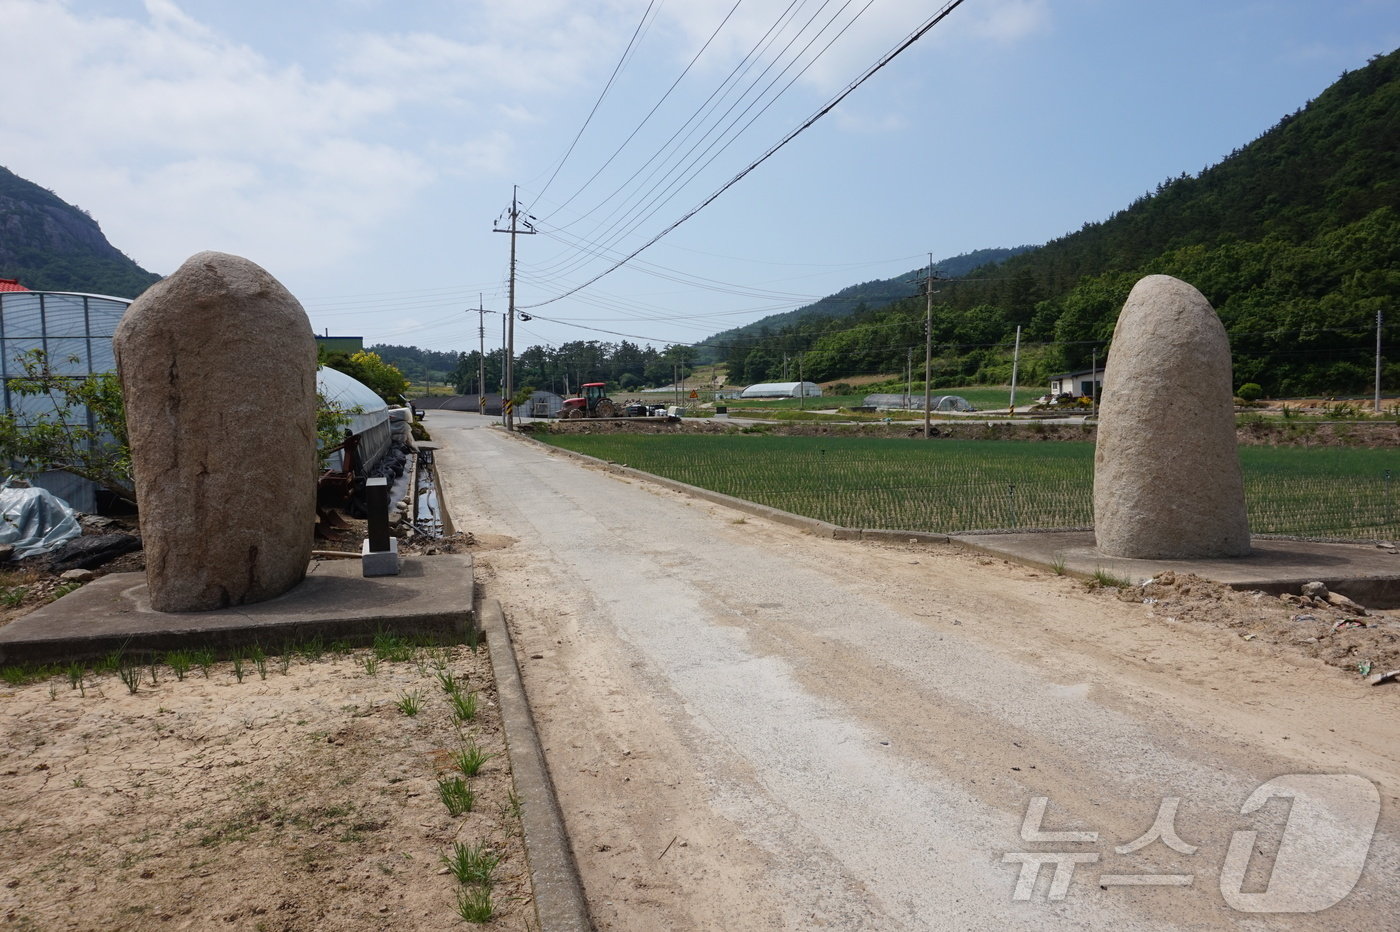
<point x="384" y="380"/>
<point x="82" y="432"/>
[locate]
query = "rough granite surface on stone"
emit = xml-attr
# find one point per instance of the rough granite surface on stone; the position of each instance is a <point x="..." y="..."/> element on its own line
<point x="1167" y="480"/>
<point x="218" y="371"/>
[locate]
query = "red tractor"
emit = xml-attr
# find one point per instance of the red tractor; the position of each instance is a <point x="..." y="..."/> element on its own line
<point x="594" y="403"/>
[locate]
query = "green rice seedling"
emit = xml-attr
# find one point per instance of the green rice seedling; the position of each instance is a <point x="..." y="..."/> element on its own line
<point x="456" y="794"/>
<point x="204" y="659"/>
<point x="410" y="703"/>
<point x="53" y="691"/>
<point x="312" y="650"/>
<point x="179" y="662"/>
<point x="14" y="676"/>
<point x="130" y="675"/>
<point x="284" y="661"/>
<point x="371" y="664"/>
<point x="440" y="657"/>
<point x="471" y="864"/>
<point x="474" y="904"/>
<point x="473" y="638"/>
<point x="111" y="663"/>
<point x="463" y="705"/>
<point x="62" y="590"/>
<point x="1111" y="581"/>
<point x="259" y="657"/>
<point x="238" y="666"/>
<point x="339" y="648"/>
<point x="470" y="759"/>
<point x="76" y="675"/>
<point x="13" y="598"/>
<point x="1057" y="565"/>
<point x="393" y="648"/>
<point x="151" y="665"/>
<point x="448" y="682"/>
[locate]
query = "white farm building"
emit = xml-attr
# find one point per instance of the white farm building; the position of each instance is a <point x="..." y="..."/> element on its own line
<point x="783" y="390"/>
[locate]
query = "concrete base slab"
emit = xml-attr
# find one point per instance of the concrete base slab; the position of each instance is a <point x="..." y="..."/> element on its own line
<point x="380" y="563"/>
<point x="1363" y="572"/>
<point x="430" y="596"/>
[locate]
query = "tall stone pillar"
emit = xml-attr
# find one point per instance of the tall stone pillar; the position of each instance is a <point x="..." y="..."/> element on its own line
<point x="218" y="370"/>
<point x="1167" y="481"/>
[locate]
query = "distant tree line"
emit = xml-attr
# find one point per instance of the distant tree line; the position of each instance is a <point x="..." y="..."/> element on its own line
<point x="1295" y="239"/>
<point x="625" y="366"/>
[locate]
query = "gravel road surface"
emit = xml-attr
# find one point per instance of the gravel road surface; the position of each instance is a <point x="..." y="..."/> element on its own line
<point x="752" y="728"/>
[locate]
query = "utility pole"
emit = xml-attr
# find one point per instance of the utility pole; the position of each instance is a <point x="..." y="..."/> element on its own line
<point x="518" y="225"/>
<point x="1380" y="317"/>
<point x="1015" y="362"/>
<point x="929" y="278"/>
<point x="481" y="353"/>
<point x="1094" y="383"/>
<point x="908" y="377"/>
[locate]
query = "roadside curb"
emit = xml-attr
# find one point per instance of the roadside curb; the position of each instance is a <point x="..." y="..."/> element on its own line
<point x="801" y="522"/>
<point x="560" y="905"/>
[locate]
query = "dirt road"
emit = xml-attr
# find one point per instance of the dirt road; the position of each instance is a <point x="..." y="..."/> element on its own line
<point x="751" y="728"/>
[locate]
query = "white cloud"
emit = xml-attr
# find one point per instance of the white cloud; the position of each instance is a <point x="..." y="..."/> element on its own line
<point x="1003" y="21"/>
<point x="178" y="138"/>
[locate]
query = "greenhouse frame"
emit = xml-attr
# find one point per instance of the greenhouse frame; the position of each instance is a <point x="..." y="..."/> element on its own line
<point x="915" y="402"/>
<point x="75" y="332"/>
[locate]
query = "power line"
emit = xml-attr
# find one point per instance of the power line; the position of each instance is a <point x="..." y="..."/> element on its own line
<point x="597" y="103"/>
<point x="831" y="105"/>
<point x="663" y="191"/>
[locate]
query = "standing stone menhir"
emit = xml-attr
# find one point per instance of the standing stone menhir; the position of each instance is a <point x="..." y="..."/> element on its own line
<point x="218" y="370"/>
<point x="1167" y="481"/>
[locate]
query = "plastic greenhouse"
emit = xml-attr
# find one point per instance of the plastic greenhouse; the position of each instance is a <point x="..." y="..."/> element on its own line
<point x="783" y="390"/>
<point x="75" y="332"/>
<point x="915" y="402"/>
<point x="369" y="417"/>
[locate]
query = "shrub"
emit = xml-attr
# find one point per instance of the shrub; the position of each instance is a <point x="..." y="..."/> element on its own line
<point x="1250" y="391"/>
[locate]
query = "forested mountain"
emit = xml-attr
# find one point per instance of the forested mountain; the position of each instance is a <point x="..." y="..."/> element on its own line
<point x="418" y="364"/>
<point x="1295" y="239"/>
<point x="50" y="245"/>
<point x="866" y="296"/>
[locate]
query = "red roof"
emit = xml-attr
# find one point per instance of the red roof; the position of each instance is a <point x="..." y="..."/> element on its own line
<point x="11" y="284"/>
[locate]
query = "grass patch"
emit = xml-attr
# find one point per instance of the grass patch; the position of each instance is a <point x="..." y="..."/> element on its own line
<point x="474" y="905"/>
<point x="469" y="759"/>
<point x="456" y="794"/>
<point x="1103" y="577"/>
<point x="410" y="703"/>
<point x="471" y="864"/>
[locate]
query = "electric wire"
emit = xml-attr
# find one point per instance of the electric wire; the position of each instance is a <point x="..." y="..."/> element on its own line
<point x="661" y="192"/>
<point x="831" y="105"/>
<point x="617" y="69"/>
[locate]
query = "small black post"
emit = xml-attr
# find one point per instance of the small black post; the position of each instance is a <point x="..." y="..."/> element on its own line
<point x="377" y="503"/>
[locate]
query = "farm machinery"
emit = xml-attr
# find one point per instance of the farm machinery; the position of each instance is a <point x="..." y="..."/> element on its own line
<point x="593" y="403"/>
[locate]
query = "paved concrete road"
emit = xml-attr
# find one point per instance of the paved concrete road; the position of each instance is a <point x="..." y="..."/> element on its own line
<point x="751" y="728"/>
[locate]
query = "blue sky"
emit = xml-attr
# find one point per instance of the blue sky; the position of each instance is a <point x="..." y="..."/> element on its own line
<point x="360" y="150"/>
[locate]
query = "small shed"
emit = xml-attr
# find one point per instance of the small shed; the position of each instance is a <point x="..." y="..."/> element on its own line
<point x="1086" y="383"/>
<point x="783" y="390"/>
<point x="542" y="404"/>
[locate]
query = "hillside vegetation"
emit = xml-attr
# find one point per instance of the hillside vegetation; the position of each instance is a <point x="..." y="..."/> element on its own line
<point x="1294" y="238"/>
<point x="51" y="245"/>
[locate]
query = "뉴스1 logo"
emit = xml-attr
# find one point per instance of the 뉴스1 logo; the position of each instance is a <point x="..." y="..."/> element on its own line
<point x="1318" y="862"/>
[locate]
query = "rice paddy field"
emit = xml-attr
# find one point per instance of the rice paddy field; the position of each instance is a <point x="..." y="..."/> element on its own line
<point x="960" y="485"/>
